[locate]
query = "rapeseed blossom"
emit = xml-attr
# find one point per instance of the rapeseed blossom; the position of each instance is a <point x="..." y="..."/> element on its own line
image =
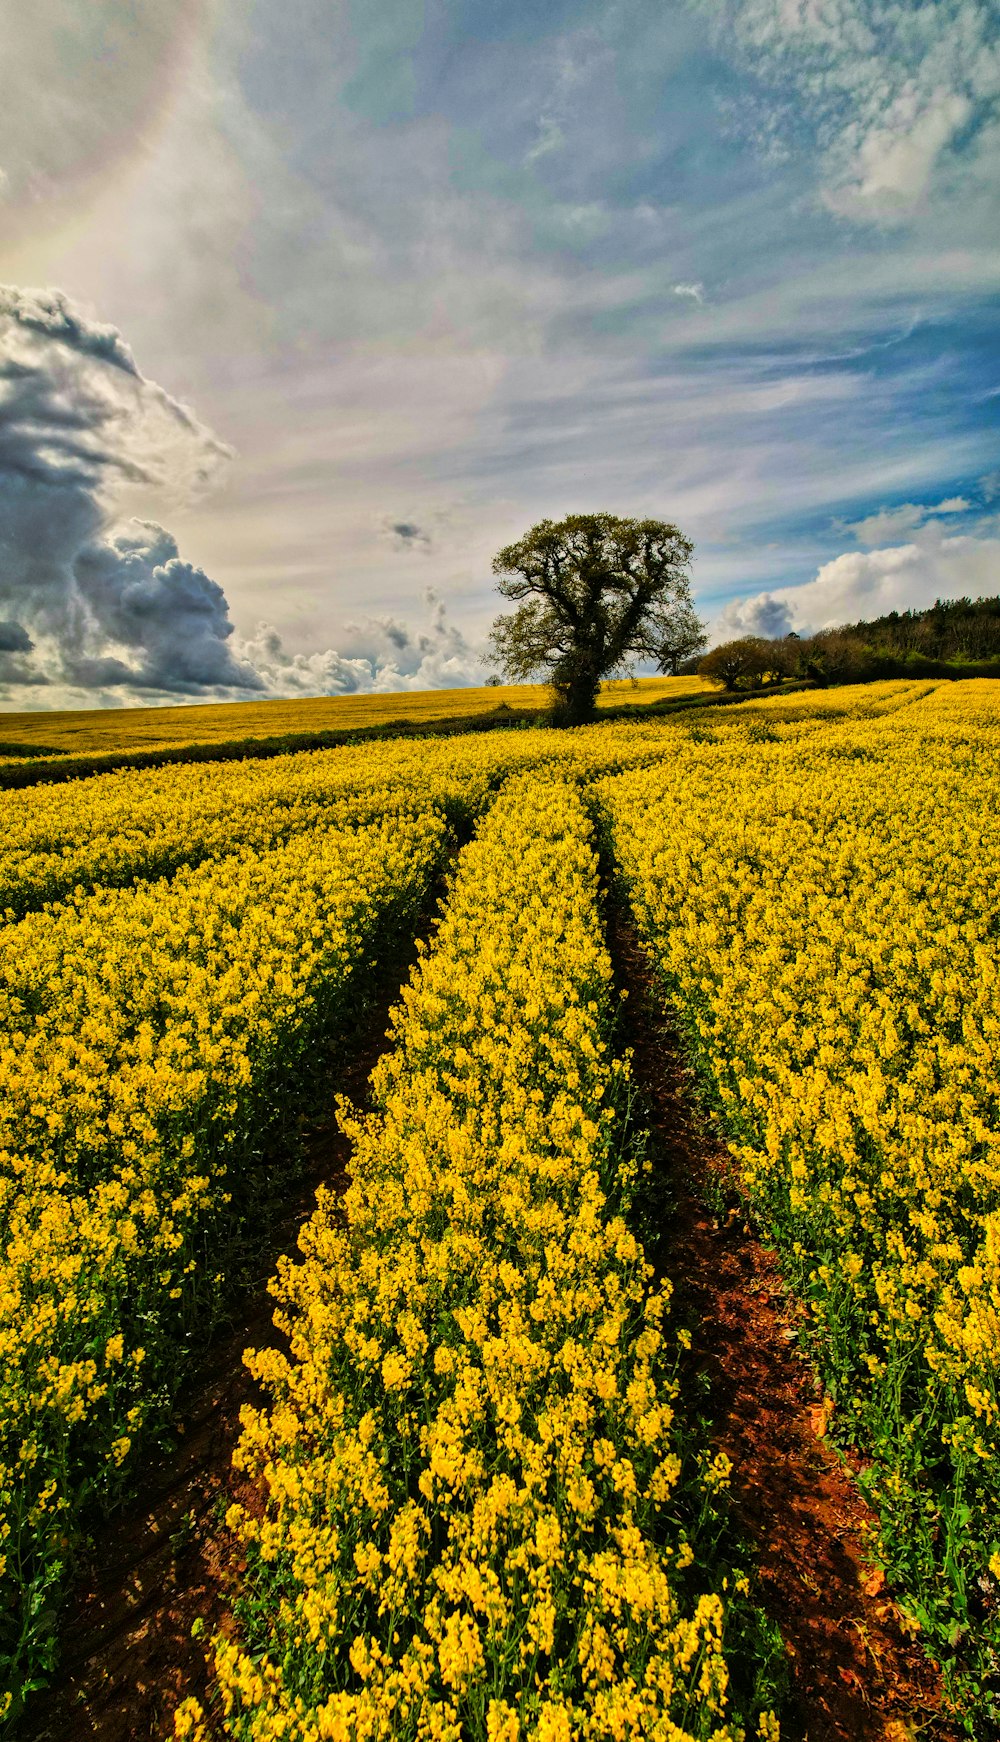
<point x="144" y="1033"/>
<point x="467" y="1460"/>
<point x="822" y="910"/>
<point x="175" y="940"/>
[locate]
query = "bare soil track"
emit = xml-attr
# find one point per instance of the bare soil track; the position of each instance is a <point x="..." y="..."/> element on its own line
<point x="855" y="1675"/>
<point x="167" y="1560"/>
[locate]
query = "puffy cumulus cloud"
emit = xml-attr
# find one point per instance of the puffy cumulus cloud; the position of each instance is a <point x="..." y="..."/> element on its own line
<point x="761" y="615"/>
<point x="281" y="673"/>
<point x="693" y="292"/>
<point x="434" y="656"/>
<point x="446" y="661"/>
<point x="93" y="608"/>
<point x="867" y="583"/>
<point x="85" y="604"/>
<point x="168" y="622"/>
<point x="899" y="98"/>
<point x="381" y="654"/>
<point x="128" y="614"/>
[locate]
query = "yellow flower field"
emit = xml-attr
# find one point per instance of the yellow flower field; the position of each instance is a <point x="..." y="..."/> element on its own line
<point x="145" y="1037"/>
<point x="469" y="1463"/>
<point x="90" y="730"/>
<point x="823" y="915"/>
<point x="115" y="828"/>
<point x="153" y="1016"/>
<point x="474" y="1466"/>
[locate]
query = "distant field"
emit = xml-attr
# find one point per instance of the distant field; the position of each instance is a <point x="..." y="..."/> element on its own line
<point x="109" y="729"/>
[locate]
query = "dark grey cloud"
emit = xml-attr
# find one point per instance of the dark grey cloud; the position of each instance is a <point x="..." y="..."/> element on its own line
<point x="407" y="534"/>
<point x="168" y="614"/>
<point x="16" y="674"/>
<point x="14" y="638"/>
<point x="99" y="607"/>
<point x="89" y="603"/>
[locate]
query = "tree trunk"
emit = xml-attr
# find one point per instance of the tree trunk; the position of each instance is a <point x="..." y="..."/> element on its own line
<point x="576" y="698"/>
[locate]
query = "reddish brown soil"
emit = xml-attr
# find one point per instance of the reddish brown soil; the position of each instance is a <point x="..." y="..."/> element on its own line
<point x="855" y="1674"/>
<point x="128" y="1653"/>
<point x="128" y="1657"/>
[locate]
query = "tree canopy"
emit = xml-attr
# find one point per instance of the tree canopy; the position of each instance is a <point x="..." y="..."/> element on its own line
<point x="595" y="593"/>
<point x="749" y="661"/>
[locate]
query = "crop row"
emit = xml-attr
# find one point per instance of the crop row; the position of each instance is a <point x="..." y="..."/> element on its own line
<point x="122" y="828"/>
<point x="824" y="921"/>
<point x="115" y="829"/>
<point x="149" y="1037"/>
<point x="469" y="1466"/>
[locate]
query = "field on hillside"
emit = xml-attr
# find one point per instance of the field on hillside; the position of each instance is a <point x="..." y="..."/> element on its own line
<point x="90" y="730"/>
<point x="480" y="1495"/>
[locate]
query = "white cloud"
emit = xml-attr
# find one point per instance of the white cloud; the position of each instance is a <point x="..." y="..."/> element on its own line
<point x="696" y="292"/>
<point x="865" y="584"/>
<point x="302" y="674"/>
<point x="762" y="614"/>
<point x="382" y="654"/>
<point x="437" y="656"/>
<point x="550" y="138"/>
<point x="893" y="165"/>
<point x="890" y="91"/>
<point x="889" y="523"/>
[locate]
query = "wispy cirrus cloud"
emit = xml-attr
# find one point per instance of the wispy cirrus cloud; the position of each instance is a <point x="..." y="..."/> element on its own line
<point x="438" y="272"/>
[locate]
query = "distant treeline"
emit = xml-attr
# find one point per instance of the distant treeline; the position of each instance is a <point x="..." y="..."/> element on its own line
<point x="953" y="638"/>
<point x="952" y="629"/>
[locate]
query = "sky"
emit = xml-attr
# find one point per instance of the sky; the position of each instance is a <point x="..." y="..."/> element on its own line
<point x="310" y="306"/>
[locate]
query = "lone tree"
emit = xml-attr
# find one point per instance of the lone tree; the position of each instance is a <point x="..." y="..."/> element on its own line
<point x="595" y="593"/>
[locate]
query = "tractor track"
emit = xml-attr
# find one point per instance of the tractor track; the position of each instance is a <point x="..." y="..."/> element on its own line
<point x="165" y="1560"/>
<point x="855" y="1674"/>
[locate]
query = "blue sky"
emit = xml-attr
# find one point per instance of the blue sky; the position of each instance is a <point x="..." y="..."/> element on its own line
<point x="422" y="273"/>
